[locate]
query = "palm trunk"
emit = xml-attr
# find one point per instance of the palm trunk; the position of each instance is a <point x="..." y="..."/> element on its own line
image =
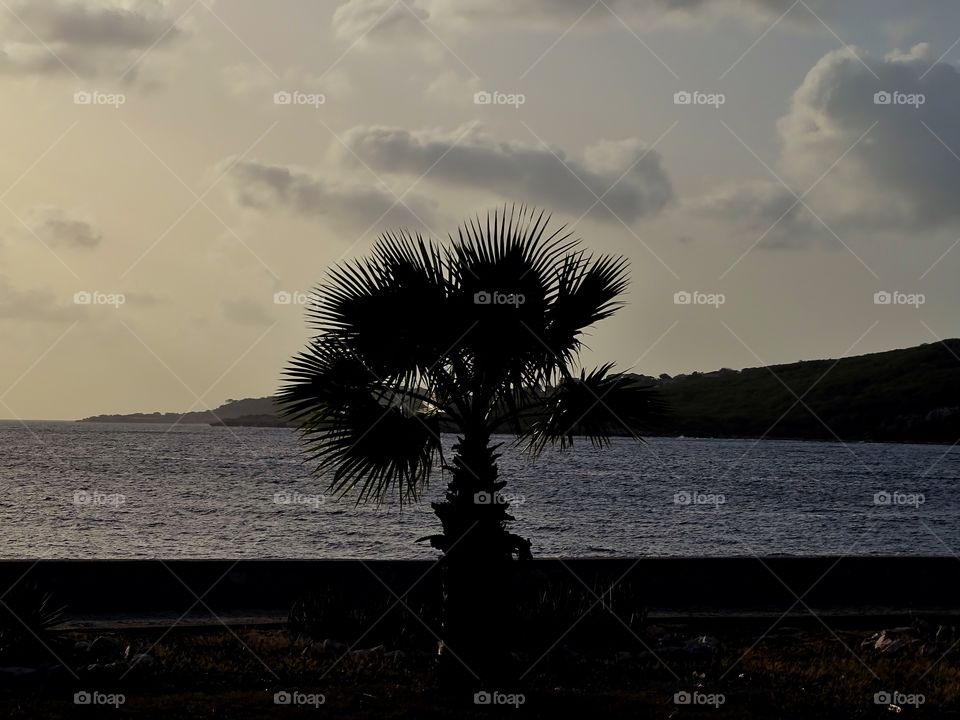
<point x="476" y="568"/>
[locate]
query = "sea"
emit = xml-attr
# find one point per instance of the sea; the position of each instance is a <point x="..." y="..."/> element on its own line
<point x="112" y="491"/>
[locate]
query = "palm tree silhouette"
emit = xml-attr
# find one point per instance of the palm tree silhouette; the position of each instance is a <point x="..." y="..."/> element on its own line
<point x="483" y="335"/>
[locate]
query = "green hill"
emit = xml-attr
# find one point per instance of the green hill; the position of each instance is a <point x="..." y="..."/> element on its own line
<point x="910" y="395"/>
<point x="899" y="395"/>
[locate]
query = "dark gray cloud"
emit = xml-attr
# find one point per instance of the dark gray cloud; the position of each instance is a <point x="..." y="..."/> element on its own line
<point x="382" y="18"/>
<point x="91" y="38"/>
<point x="628" y="177"/>
<point x="58" y="228"/>
<point x="266" y="187"/>
<point x="901" y="175"/>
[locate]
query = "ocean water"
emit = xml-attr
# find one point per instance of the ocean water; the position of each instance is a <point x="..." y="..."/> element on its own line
<point x="85" y="491"/>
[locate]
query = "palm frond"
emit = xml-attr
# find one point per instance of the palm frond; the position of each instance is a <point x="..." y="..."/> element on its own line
<point x="596" y="405"/>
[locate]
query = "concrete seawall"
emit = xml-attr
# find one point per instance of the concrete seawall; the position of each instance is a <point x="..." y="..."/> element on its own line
<point x="687" y="585"/>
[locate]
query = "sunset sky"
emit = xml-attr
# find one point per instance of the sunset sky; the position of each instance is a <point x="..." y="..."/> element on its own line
<point x="150" y="160"/>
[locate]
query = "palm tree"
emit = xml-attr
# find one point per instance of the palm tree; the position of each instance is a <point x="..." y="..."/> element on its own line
<point x="482" y="334"/>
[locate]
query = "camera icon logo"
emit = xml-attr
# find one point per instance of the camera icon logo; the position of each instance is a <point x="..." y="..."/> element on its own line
<point x="482" y="698"/>
<point x="882" y="98"/>
<point x="882" y="498"/>
<point x="682" y="498"/>
<point x="82" y="298"/>
<point x="482" y="498"/>
<point x="682" y="698"/>
<point x="482" y="98"/>
<point x="882" y="298"/>
<point x="82" y="97"/>
<point x="82" y="698"/>
<point x="482" y="298"/>
<point x="282" y="698"/>
<point x="682" y="98"/>
<point x="282" y="98"/>
<point x="282" y="298"/>
<point x="882" y="698"/>
<point x="682" y="298"/>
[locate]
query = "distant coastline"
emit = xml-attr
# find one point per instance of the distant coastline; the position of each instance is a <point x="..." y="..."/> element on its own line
<point x="909" y="396"/>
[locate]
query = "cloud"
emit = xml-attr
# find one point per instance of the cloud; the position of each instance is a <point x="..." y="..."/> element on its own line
<point x="267" y="187"/>
<point x="902" y="175"/>
<point x="630" y="178"/>
<point x="93" y="38"/>
<point x="58" y="228"/>
<point x="904" y="171"/>
<point x="33" y="305"/>
<point x="764" y="210"/>
<point x="245" y="311"/>
<point x="366" y="20"/>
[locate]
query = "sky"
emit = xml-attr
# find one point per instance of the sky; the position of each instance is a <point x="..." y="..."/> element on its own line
<point x="177" y="174"/>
